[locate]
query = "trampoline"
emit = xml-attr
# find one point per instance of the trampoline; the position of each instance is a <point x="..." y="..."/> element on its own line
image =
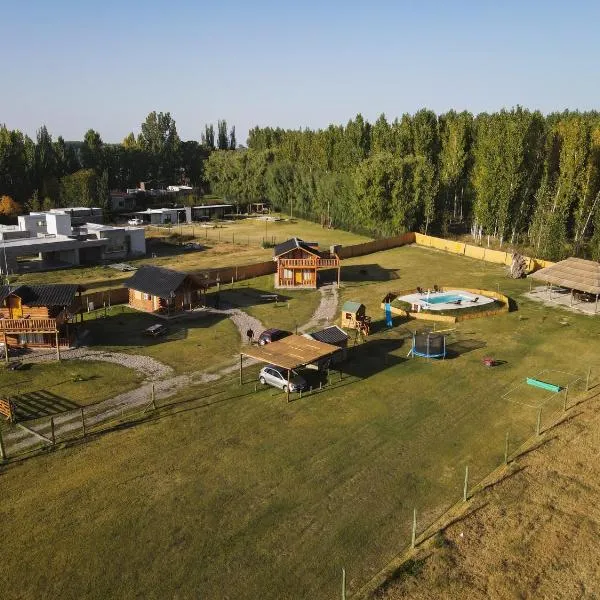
<point x="428" y="345"/>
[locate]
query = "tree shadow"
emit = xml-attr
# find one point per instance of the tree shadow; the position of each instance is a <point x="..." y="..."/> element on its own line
<point x="460" y="347"/>
<point x="244" y="297"/>
<point x="365" y="273"/>
<point x="371" y="357"/>
<point x="40" y="403"/>
<point x="128" y="329"/>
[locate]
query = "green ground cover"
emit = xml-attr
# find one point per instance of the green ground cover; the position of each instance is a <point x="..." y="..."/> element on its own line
<point x="49" y="388"/>
<point x="205" y="343"/>
<point x="243" y="495"/>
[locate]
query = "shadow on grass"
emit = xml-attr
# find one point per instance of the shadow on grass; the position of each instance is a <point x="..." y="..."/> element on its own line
<point x="127" y="329"/>
<point x="40" y="403"/>
<point x="244" y="297"/>
<point x="372" y="357"/>
<point x="361" y="273"/>
<point x="460" y="347"/>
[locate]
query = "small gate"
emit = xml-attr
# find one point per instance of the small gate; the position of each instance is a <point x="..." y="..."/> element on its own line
<point x="7" y="409"/>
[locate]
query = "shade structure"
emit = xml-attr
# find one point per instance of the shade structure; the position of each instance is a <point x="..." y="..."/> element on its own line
<point x="573" y="273"/>
<point x="291" y="352"/>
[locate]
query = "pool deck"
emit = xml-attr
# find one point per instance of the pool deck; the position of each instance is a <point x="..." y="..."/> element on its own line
<point x="421" y="300"/>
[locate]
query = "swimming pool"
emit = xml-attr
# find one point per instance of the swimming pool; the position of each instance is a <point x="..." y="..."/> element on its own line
<point x="444" y="298"/>
<point x="448" y="300"/>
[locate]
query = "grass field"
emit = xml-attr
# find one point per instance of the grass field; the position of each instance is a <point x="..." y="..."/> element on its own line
<point x="49" y="388"/>
<point x="246" y="496"/>
<point x="202" y="344"/>
<point x="233" y="243"/>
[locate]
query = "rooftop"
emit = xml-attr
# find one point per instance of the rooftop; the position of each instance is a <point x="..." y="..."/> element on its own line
<point x="157" y="281"/>
<point x="573" y="273"/>
<point x="42" y="295"/>
<point x="292" y="244"/>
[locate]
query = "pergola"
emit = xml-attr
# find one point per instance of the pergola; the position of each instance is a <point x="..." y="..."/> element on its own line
<point x="576" y="274"/>
<point x="291" y="352"/>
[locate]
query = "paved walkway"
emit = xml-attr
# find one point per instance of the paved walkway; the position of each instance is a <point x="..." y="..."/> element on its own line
<point x="157" y="374"/>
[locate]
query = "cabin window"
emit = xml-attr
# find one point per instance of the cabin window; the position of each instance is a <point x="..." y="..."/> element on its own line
<point x="146" y="296"/>
<point x="287" y="274"/>
<point x="307" y="275"/>
<point x="348" y="315"/>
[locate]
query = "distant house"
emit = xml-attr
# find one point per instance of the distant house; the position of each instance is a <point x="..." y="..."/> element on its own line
<point x="38" y="315"/>
<point x="208" y="212"/>
<point x="298" y="263"/>
<point x="164" y="291"/>
<point x="122" y="201"/>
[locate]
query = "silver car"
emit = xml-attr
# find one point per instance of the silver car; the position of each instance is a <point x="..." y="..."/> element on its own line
<point x="278" y="377"/>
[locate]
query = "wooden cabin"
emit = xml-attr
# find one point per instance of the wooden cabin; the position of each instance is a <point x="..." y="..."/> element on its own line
<point x="164" y="291"/>
<point x="38" y="315"/>
<point x="298" y="263"/>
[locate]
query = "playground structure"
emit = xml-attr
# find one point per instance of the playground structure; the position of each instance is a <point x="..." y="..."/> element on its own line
<point x="354" y="317"/>
<point x="428" y="344"/>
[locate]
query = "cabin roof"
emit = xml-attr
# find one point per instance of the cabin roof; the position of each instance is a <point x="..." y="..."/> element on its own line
<point x="292" y="244"/>
<point x="57" y="294"/>
<point x="351" y="307"/>
<point x="157" y="281"/>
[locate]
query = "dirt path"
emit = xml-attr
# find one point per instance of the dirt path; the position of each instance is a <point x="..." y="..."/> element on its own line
<point x="325" y="312"/>
<point x="151" y="368"/>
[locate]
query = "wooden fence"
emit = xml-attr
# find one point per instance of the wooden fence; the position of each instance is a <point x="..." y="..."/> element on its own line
<point x="7" y="409"/>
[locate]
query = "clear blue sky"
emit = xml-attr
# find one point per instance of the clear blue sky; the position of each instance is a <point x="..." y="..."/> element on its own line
<point x="74" y="65"/>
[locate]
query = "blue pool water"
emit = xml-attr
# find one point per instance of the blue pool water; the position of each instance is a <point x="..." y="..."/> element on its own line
<point x="443" y="298"/>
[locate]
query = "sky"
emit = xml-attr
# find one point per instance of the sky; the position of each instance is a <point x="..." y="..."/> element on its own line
<point x="75" y="65"/>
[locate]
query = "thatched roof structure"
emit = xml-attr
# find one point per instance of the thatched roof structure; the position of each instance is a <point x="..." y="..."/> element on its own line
<point x="572" y="273"/>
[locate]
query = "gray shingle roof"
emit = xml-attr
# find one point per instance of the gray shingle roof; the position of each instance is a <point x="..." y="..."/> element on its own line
<point x="42" y="295"/>
<point x="157" y="281"/>
<point x="291" y="244"/>
<point x="331" y="335"/>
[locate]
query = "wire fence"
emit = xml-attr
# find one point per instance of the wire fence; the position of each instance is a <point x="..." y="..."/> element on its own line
<point x="531" y="417"/>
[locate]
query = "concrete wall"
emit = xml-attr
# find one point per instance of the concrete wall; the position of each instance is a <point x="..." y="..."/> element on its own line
<point x="137" y="241"/>
<point x="58" y="224"/>
<point x="34" y="223"/>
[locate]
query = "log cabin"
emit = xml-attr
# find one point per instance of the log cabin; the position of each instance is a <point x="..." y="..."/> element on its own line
<point x="298" y="263"/>
<point x="38" y="315"/>
<point x="163" y="291"/>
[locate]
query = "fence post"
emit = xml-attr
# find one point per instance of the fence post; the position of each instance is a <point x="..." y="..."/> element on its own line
<point x="343" y="583"/>
<point x="506" y="448"/>
<point x="52" y="432"/>
<point x="587" y="381"/>
<point x="153" y="398"/>
<point x="566" y="399"/>
<point x="466" y="486"/>
<point x="2" y="448"/>
<point x="82" y="421"/>
<point x="538" y="427"/>
<point x="414" y="529"/>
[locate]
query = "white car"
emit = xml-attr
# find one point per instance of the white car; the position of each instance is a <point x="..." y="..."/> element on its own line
<point x="135" y="222"/>
<point x="277" y="377"/>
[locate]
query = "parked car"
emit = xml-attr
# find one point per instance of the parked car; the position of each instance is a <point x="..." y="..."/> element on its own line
<point x="156" y="330"/>
<point x="272" y="335"/>
<point x="135" y="222"/>
<point x="278" y="377"/>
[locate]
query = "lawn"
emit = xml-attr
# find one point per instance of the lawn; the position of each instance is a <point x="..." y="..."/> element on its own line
<point x="48" y="388"/>
<point x="206" y="343"/>
<point x="246" y="496"/>
<point x="293" y="308"/>
<point x="233" y="243"/>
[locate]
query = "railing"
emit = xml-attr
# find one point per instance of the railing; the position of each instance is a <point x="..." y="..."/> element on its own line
<point x="309" y="262"/>
<point x="28" y="325"/>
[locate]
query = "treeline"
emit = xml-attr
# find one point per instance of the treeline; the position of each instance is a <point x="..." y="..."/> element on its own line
<point x="46" y="173"/>
<point x="517" y="176"/>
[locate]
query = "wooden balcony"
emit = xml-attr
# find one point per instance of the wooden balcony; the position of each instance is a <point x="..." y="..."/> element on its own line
<point x="28" y="326"/>
<point x="311" y="263"/>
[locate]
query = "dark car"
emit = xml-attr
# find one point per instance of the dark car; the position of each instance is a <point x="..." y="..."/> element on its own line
<point x="156" y="330"/>
<point x="272" y="335"/>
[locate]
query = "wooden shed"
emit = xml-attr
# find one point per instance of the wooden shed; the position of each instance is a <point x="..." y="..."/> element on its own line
<point x="353" y="313"/>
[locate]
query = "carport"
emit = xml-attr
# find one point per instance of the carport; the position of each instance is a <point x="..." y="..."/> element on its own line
<point x="291" y="352"/>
